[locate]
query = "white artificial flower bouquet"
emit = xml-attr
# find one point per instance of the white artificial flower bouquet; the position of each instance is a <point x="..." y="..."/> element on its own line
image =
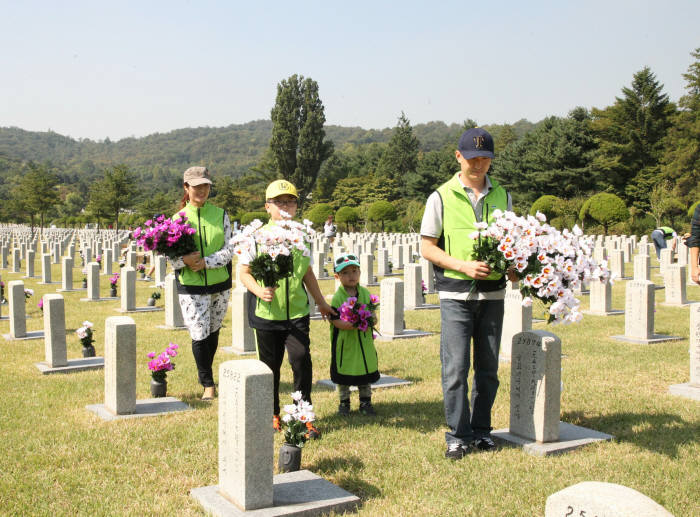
<point x="549" y="263"/>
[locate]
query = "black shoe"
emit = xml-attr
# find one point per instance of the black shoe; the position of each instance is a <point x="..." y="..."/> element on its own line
<point x="485" y="443"/>
<point x="457" y="451"/>
<point x="344" y="408"/>
<point x="367" y="409"/>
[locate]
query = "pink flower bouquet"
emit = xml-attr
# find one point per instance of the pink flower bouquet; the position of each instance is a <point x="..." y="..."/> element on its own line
<point x="169" y="237"/>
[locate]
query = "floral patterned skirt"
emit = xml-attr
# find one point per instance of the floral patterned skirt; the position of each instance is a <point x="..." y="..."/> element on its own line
<point x="203" y="313"/>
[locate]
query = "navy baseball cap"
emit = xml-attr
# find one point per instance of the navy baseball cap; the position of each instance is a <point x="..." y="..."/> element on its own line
<point x="476" y="142"/>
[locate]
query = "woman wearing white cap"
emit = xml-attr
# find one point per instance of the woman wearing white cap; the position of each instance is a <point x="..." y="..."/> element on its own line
<point x="203" y="277"/>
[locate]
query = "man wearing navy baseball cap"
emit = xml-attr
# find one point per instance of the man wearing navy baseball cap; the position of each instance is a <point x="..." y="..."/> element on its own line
<point x="471" y="295"/>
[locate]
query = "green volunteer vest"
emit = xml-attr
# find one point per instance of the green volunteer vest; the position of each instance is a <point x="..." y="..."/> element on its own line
<point x="209" y="223"/>
<point x="458" y="222"/>
<point x="290" y="300"/>
<point x="353" y="355"/>
<point x="668" y="232"/>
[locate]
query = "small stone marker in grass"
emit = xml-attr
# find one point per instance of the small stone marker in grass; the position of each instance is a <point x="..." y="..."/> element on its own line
<point x="596" y="499"/>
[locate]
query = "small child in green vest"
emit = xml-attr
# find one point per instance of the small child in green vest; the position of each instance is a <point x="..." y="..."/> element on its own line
<point x="353" y="356"/>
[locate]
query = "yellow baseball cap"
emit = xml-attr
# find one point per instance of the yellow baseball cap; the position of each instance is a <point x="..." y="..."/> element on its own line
<point x="279" y="188"/>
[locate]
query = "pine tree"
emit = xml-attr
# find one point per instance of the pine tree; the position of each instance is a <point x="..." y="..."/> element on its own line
<point x="297" y="143"/>
<point x="401" y="155"/>
<point x="631" y="134"/>
<point x="681" y="160"/>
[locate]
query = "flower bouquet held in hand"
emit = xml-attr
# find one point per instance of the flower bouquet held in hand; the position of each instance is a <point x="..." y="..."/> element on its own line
<point x="169" y="237"/>
<point x="548" y="263"/>
<point x="294" y="421"/>
<point x="361" y="315"/>
<point x="274" y="245"/>
<point x="160" y="365"/>
<point x="85" y="334"/>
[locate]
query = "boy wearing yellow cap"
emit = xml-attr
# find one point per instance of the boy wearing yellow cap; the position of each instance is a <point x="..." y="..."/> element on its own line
<point x="283" y="321"/>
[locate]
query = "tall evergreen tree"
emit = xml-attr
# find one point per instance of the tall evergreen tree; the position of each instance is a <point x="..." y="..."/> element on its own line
<point x="116" y="190"/>
<point x="37" y="187"/>
<point x="298" y="139"/>
<point x="400" y="158"/>
<point x="554" y="158"/>
<point x="681" y="160"/>
<point x="631" y="133"/>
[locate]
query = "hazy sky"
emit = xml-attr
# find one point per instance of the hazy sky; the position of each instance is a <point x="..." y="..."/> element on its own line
<point x="95" y="69"/>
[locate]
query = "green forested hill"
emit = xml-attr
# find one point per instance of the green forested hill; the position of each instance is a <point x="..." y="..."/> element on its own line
<point x="230" y="150"/>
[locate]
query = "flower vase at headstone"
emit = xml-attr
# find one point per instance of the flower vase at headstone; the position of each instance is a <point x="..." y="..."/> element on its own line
<point x="295" y="432"/>
<point x="160" y="365"/>
<point x="85" y="334"/>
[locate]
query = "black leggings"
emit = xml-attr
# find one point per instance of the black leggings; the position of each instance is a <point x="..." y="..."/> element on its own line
<point x="271" y="346"/>
<point x="203" y="351"/>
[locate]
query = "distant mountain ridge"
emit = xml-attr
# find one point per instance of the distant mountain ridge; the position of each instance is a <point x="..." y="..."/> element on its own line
<point x="230" y="150"/>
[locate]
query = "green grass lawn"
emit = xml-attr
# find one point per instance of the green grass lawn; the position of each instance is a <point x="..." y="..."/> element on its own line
<point x="59" y="459"/>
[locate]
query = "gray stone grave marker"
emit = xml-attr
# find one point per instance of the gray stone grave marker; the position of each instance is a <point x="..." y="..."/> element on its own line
<point x="242" y="336"/>
<point x="16" y="262"/>
<point x="120" y="377"/>
<point x="691" y="389"/>
<point x="535" y="398"/>
<point x="29" y="264"/>
<point x="639" y="315"/>
<point x="67" y="275"/>
<point x="93" y="287"/>
<point x="173" y="312"/>
<point x="601" y="299"/>
<point x="391" y="321"/>
<point x="55" y="341"/>
<point x="367" y="277"/>
<point x="597" y="499"/>
<point x="18" y="314"/>
<point x="246" y="447"/>
<point x="516" y="319"/>
<point x="641" y="267"/>
<point x="413" y="291"/>
<point x="674" y="283"/>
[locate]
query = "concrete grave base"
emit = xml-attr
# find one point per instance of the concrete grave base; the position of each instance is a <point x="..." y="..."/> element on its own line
<point x="686" y="390"/>
<point x="570" y="437"/>
<point x="385" y="381"/>
<point x="74" y="365"/>
<point x="609" y="313"/>
<point x="656" y="338"/>
<point x="144" y="408"/>
<point x="677" y="304"/>
<point x="238" y="351"/>
<point x="70" y="290"/>
<point x="107" y="299"/>
<point x="425" y="306"/>
<point x="141" y="309"/>
<point x="170" y="327"/>
<point x="407" y="333"/>
<point x="294" y="493"/>
<point x="36" y="334"/>
<point x="49" y="283"/>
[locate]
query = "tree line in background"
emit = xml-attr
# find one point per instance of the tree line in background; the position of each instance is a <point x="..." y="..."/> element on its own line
<point x="625" y="168"/>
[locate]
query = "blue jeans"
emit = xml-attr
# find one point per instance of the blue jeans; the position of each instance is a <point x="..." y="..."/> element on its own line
<point x="659" y="242"/>
<point x="462" y="322"/>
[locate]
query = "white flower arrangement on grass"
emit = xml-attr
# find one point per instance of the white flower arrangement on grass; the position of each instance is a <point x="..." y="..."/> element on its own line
<point x="549" y="263"/>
